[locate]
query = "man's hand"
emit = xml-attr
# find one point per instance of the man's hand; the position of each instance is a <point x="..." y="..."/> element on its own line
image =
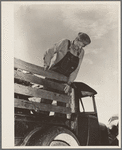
<point x="46" y="67"/>
<point x="66" y="89"/>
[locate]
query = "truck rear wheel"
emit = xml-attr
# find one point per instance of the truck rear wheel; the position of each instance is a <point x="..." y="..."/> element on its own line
<point x="57" y="136"/>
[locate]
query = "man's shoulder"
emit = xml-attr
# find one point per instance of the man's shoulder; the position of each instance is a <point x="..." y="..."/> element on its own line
<point x="65" y="41"/>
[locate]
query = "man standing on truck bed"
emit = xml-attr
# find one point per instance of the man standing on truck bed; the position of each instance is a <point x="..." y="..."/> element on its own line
<point x="69" y="55"/>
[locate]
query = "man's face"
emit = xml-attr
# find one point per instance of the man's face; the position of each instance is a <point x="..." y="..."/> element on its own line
<point x="78" y="43"/>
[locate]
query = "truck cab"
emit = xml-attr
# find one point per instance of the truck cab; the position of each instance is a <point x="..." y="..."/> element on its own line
<point x="88" y="127"/>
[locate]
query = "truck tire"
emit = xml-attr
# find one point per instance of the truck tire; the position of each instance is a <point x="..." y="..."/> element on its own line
<point x="57" y="136"/>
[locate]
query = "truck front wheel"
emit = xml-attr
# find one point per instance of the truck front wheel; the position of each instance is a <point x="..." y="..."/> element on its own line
<point x="57" y="136"/>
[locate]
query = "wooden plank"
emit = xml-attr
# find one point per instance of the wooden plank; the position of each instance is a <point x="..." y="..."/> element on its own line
<point x="37" y="120"/>
<point x="38" y="70"/>
<point x="40" y="93"/>
<point x="38" y="80"/>
<point x="40" y="106"/>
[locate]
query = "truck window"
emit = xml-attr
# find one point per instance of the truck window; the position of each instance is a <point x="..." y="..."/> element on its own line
<point x="87" y="104"/>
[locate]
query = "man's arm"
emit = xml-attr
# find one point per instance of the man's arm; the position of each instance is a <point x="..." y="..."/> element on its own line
<point x="50" y="52"/>
<point x="48" y="56"/>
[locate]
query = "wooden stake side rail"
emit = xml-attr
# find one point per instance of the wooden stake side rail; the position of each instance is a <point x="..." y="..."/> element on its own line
<point x="37" y="80"/>
<point x="40" y="93"/>
<point x="19" y="103"/>
<point x="34" y="76"/>
<point x="38" y="70"/>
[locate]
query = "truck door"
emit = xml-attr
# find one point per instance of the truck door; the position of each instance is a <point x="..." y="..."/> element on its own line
<point x="88" y="127"/>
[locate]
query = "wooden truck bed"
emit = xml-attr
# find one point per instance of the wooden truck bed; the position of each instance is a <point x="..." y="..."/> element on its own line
<point x="29" y="80"/>
<point x="27" y="77"/>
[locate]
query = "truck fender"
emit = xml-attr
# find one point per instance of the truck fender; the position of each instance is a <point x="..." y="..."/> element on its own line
<point x="32" y="135"/>
<point x="57" y="136"/>
<point x="51" y="136"/>
<point x="103" y="134"/>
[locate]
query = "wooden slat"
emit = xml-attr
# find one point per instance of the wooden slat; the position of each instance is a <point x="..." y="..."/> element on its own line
<point x="25" y="90"/>
<point x="38" y="70"/>
<point x="38" y="80"/>
<point x="40" y="106"/>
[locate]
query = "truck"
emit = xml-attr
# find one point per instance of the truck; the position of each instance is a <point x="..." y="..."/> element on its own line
<point x="74" y="123"/>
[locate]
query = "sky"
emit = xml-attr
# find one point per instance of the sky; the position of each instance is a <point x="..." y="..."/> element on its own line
<point x="39" y="25"/>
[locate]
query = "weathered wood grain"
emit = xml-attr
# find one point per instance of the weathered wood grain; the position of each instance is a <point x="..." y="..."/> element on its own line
<point x="19" y="103"/>
<point x="38" y="80"/>
<point x="40" y="93"/>
<point x="38" y="70"/>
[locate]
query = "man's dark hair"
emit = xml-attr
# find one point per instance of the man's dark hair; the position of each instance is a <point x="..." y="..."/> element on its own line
<point x="84" y="38"/>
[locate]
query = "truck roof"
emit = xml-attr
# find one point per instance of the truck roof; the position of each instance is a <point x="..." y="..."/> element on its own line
<point x="83" y="89"/>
